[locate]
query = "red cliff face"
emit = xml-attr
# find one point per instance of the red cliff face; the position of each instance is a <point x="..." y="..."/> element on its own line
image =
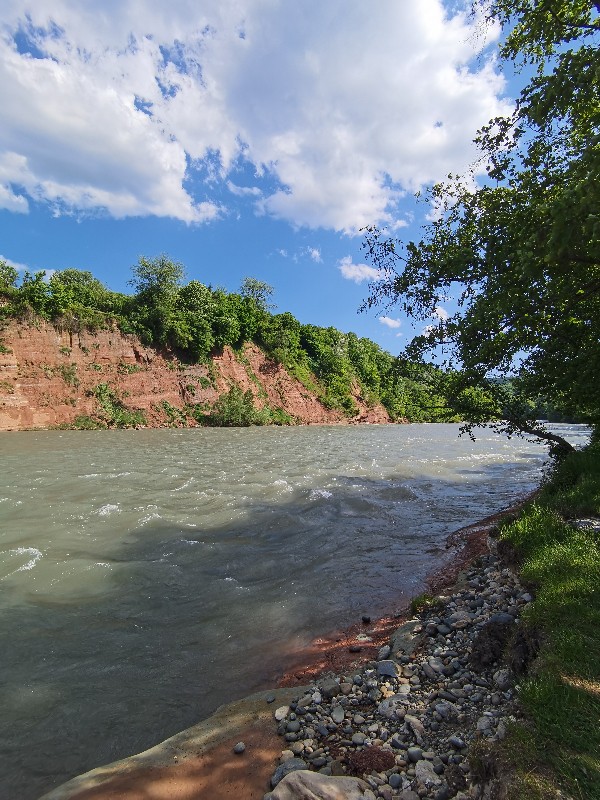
<point x="48" y="376"/>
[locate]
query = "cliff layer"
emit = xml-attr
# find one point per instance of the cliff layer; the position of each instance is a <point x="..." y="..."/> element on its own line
<point x="50" y="377"/>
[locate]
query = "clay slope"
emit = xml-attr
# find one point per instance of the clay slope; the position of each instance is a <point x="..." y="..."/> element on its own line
<point x="48" y="376"/>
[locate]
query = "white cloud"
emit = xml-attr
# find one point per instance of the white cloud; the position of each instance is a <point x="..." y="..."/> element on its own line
<point x="441" y="313"/>
<point x="357" y="272"/>
<point x="19" y="267"/>
<point x="243" y="191"/>
<point x="147" y="108"/>
<point x="315" y="254"/>
<point x="390" y="322"/>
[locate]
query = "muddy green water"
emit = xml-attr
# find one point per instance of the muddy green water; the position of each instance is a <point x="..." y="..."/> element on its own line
<point x="148" y="576"/>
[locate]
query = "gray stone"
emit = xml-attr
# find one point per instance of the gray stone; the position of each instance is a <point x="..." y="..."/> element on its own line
<point x="408" y="794"/>
<point x="457" y="742"/>
<point x="270" y="698"/>
<point x="503" y="679"/>
<point x="291" y="765"/>
<point x="358" y="738"/>
<point x="430" y="673"/>
<point x="416" y="727"/>
<point x="384" y="652"/>
<point x="395" y="780"/>
<point x="388" y="669"/>
<point x="239" y="748"/>
<point x="337" y="714"/>
<point x="330" y="688"/>
<point x="293" y="726"/>
<point x="406" y="639"/>
<point x="436" y="664"/>
<point x="302" y="784"/>
<point x="425" y="774"/>
<point x="414" y="754"/>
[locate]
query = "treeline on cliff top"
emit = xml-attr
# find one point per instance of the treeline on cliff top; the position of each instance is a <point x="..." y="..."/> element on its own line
<point x="195" y="321"/>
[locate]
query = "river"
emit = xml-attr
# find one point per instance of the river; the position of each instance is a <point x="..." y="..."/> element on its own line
<point x="148" y="576"/>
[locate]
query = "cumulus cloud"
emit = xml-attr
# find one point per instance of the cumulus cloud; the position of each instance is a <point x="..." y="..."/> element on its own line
<point x="390" y="322"/>
<point x="357" y="272"/>
<point x="146" y="109"/>
<point x="19" y="267"/>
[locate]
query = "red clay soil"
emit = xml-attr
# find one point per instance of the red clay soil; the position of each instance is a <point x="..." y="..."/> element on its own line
<point x="219" y="774"/>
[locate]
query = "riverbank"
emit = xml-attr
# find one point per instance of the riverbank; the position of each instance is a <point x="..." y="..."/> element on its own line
<point x="200" y="762"/>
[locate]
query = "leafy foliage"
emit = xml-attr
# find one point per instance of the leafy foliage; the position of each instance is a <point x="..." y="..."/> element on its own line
<point x="113" y="413"/>
<point x="193" y="321"/>
<point x="520" y="254"/>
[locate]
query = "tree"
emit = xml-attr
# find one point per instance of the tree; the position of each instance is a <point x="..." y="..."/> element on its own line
<point x="522" y="252"/>
<point x="258" y="291"/>
<point x="156" y="281"/>
<point x="8" y="276"/>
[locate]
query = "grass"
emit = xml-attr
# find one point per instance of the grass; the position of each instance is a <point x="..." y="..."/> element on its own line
<point x="561" y="696"/>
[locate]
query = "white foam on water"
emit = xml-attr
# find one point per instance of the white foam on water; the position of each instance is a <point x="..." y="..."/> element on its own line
<point x="108" y="509"/>
<point x="185" y="485"/>
<point x="18" y="552"/>
<point x="148" y="518"/>
<point x="284" y="485"/>
<point x="37" y="554"/>
<point x="320" y="494"/>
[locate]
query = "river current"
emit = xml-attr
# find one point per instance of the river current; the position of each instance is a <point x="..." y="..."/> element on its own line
<point x="148" y="576"/>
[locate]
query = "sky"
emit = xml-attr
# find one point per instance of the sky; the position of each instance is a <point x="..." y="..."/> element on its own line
<point x="239" y="137"/>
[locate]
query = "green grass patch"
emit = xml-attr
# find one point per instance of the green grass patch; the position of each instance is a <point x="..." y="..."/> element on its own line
<point x="562" y="693"/>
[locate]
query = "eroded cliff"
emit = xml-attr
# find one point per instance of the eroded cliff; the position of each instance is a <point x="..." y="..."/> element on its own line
<point x="50" y="377"/>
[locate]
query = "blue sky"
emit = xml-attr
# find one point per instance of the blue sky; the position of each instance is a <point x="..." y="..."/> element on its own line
<point x="242" y="138"/>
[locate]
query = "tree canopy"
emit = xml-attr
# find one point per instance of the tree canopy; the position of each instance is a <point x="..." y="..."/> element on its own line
<point x="520" y="254"/>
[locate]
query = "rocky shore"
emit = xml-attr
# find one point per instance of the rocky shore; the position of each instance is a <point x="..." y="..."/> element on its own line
<point x="404" y="725"/>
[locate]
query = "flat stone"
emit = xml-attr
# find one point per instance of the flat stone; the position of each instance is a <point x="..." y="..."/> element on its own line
<point x="359" y="738"/>
<point x="388" y="668"/>
<point x="299" y="785"/>
<point x="406" y="639"/>
<point x="337" y="714"/>
<point x="281" y="713"/>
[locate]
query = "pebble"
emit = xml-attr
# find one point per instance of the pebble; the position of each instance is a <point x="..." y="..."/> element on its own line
<point x="239" y="748"/>
<point x="421" y="700"/>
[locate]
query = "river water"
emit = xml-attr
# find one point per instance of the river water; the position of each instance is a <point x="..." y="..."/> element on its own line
<point x="148" y="576"/>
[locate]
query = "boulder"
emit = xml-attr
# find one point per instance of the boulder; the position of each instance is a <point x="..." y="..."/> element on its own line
<point x="304" y="784"/>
